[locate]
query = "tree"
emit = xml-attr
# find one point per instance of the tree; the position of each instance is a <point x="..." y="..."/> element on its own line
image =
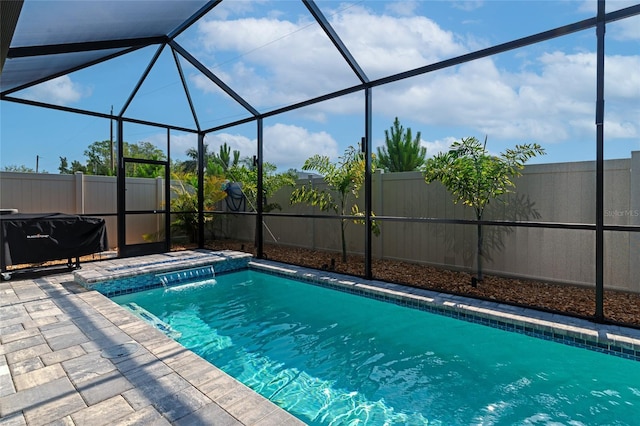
<point x="98" y="156"/>
<point x="221" y="163"/>
<point x="98" y="162"/>
<point x="191" y="165"/>
<point x="247" y="174"/>
<point x="146" y="151"/>
<point x="475" y="177"/>
<point x="184" y="206"/>
<point x="19" y="169"/>
<point x="216" y="164"/>
<point x="76" y="166"/>
<point x="223" y="167"/>
<point x="401" y="152"/>
<point x="345" y="179"/>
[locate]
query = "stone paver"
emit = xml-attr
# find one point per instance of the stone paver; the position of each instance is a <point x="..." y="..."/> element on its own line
<point x="102" y="387"/>
<point x="54" y="399"/>
<point x="106" y="412"/>
<point x="22" y="367"/>
<point x="69" y="356"/>
<point x="6" y="383"/>
<point x="147" y="416"/>
<point x="38" y="377"/>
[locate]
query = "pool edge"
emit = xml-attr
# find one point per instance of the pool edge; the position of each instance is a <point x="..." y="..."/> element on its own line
<point x="609" y="339"/>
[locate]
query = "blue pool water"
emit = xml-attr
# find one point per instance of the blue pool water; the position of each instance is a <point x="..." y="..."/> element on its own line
<point x="332" y="358"/>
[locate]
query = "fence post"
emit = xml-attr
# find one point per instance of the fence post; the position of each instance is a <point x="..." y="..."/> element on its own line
<point x="634" y="219"/>
<point x="378" y="191"/>
<point x="79" y="182"/>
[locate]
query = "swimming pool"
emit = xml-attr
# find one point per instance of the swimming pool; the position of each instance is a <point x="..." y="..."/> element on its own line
<point x="334" y="358"/>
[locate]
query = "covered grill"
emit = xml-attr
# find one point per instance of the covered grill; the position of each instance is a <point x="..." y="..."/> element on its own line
<point x="39" y="237"/>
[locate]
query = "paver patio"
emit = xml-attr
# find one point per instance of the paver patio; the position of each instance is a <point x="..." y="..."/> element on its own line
<point x="72" y="356"/>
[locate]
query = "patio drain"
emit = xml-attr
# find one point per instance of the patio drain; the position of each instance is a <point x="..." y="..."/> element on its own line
<point x="120" y="351"/>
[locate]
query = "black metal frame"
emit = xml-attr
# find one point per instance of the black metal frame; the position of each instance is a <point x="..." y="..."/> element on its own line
<point x="598" y="22"/>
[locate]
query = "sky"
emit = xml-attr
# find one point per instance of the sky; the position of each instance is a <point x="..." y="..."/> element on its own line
<point x="273" y="54"/>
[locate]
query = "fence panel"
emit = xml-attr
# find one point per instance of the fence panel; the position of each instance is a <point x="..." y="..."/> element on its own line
<point x="560" y="192"/>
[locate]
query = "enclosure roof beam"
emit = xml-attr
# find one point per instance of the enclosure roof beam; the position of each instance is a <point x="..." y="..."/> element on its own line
<point x="194" y="18"/>
<point x="335" y="39"/>
<point x="95" y="114"/>
<point x="142" y="79"/>
<point x="87" y="46"/>
<point x="511" y="45"/>
<point x="211" y="76"/>
<point x="71" y="70"/>
<point x="185" y="87"/>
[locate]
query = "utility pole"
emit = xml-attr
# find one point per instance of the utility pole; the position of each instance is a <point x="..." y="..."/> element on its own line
<point x="37" y="162"/>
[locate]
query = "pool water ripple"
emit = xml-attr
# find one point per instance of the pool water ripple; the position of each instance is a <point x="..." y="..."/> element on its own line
<point x="332" y="358"/>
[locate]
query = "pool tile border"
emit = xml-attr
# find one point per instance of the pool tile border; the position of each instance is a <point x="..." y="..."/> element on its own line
<point x="609" y="339"/>
<point x="144" y="377"/>
<point x="123" y="276"/>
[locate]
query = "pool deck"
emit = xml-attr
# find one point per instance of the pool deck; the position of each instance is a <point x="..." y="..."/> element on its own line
<point x="71" y="356"/>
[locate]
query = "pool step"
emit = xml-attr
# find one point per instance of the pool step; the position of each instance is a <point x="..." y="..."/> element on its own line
<point x="149" y="318"/>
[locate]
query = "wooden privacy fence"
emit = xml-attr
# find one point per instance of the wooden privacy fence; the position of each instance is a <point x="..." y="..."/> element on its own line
<point x="546" y="193"/>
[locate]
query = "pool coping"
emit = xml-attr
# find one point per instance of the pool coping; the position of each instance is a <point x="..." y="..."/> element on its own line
<point x="72" y="355"/>
<point x="52" y="321"/>
<point x="114" y="277"/>
<point x="605" y="338"/>
<point x="122" y="276"/>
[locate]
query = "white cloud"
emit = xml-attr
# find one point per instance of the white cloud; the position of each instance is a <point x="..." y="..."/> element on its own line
<point x="59" y="91"/>
<point x="467" y="5"/>
<point x="552" y="104"/>
<point x="550" y="98"/>
<point x="437" y="146"/>
<point x="625" y="30"/>
<point x="286" y="146"/>
<point x="180" y="144"/>
<point x="273" y="62"/>
<point x="289" y="146"/>
<point x="277" y="62"/>
<point x="226" y="9"/>
<point x="402" y="7"/>
<point x="385" y="45"/>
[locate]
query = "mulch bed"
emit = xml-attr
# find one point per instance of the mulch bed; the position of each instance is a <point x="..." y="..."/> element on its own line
<point x="619" y="307"/>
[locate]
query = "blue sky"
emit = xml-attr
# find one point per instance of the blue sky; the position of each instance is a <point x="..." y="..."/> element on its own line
<point x="273" y="54"/>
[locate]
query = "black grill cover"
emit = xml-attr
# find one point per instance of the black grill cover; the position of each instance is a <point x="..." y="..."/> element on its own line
<point x="34" y="238"/>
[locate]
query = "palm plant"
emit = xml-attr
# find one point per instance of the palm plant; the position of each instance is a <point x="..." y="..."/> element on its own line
<point x="344" y="179"/>
<point x="184" y="205"/>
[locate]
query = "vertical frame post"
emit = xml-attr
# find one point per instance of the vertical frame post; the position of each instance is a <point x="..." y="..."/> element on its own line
<point x="600" y="30"/>
<point x="366" y="145"/>
<point x="167" y="195"/>
<point x="121" y="191"/>
<point x="201" y="171"/>
<point x="260" y="192"/>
